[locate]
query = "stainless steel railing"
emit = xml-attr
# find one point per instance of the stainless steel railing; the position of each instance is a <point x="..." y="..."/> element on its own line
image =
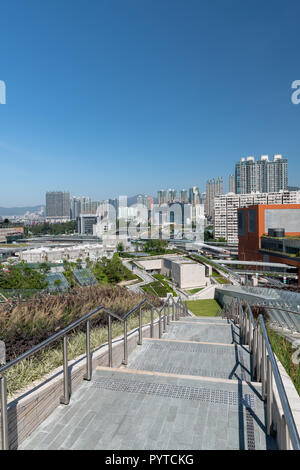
<point x="265" y="368"/>
<point x="178" y="307"/>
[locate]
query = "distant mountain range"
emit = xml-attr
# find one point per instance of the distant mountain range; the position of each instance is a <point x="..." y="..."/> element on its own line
<point x="9" y="211"/>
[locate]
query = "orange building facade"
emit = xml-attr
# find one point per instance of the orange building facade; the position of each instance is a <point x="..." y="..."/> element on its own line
<point x="254" y="223"/>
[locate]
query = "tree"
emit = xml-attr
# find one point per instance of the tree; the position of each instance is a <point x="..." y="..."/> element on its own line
<point x="156" y="246"/>
<point x="79" y="261"/>
<point x="57" y="283"/>
<point x="44" y="268"/>
<point x="120" y="247"/>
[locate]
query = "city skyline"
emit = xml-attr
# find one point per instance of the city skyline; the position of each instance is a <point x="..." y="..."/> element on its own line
<point x="128" y="97"/>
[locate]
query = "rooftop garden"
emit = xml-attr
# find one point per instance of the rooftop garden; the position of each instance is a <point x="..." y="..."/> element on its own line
<point x="161" y="288"/>
<point x="204" y="307"/>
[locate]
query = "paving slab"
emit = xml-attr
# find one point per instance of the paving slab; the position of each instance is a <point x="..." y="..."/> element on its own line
<point x="203" y="331"/>
<point x="219" y="320"/>
<point x="184" y="358"/>
<point x="175" y="413"/>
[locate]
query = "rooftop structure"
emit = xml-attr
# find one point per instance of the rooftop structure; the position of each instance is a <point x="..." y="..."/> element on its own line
<point x="256" y="222"/>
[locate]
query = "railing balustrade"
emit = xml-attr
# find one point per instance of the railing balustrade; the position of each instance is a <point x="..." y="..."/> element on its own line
<point x="254" y="334"/>
<point x="178" y="309"/>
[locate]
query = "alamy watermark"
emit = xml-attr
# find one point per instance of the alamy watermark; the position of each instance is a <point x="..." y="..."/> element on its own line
<point x="2" y="92"/>
<point x="296" y="94"/>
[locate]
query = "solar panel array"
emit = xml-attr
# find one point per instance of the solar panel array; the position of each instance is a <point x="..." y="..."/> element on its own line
<point x="85" y="277"/>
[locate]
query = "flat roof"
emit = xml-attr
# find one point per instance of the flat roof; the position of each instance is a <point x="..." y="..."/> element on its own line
<point x="254" y="263"/>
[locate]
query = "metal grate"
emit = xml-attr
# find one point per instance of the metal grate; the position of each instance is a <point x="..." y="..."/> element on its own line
<point x="173" y="391"/>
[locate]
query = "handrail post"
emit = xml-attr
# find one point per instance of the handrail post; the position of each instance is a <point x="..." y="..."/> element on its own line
<point x="258" y="356"/>
<point x="173" y="311"/>
<point x="251" y="338"/>
<point x="269" y="395"/>
<point x="65" y="399"/>
<point x="88" y="374"/>
<point x="152" y="321"/>
<point x="284" y="437"/>
<point x="185" y="307"/>
<point x="165" y="320"/>
<point x="263" y="368"/>
<point x="168" y="316"/>
<point x="254" y="351"/>
<point x="4" y="417"/>
<point x="249" y="334"/>
<point x="140" y="341"/>
<point x="125" y="360"/>
<point x="109" y="341"/>
<point x="159" y="323"/>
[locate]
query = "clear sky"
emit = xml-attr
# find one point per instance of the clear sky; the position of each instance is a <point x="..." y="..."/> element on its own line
<point x="109" y="97"/>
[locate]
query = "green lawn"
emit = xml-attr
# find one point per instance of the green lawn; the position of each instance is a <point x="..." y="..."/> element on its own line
<point x="205" y="307"/>
<point x="194" y="291"/>
<point x="219" y="278"/>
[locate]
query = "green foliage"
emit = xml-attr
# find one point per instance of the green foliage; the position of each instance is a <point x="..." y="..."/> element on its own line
<point x="21" y="276"/>
<point x="284" y="351"/>
<point x="159" y="287"/>
<point x="44" y="267"/>
<point x="51" y="229"/>
<point x="111" y="271"/>
<point x="120" y="247"/>
<point x="156" y="246"/>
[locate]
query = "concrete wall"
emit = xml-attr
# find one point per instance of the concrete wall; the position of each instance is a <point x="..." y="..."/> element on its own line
<point x="150" y="264"/>
<point x="188" y="275"/>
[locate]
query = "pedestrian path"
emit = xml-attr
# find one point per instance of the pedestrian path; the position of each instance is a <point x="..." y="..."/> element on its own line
<point x="190" y="390"/>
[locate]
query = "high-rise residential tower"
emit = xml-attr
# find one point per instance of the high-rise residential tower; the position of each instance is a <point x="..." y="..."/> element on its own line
<point x="214" y="188"/>
<point x="264" y="176"/>
<point x="194" y="195"/>
<point x="231" y="184"/>
<point x="184" y="196"/>
<point x="162" y="197"/>
<point x="58" y="206"/>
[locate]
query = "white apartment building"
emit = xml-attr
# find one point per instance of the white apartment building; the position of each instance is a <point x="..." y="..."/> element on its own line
<point x="57" y="255"/>
<point x="226" y="205"/>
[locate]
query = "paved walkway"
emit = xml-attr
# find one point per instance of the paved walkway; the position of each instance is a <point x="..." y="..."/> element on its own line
<point x="190" y="390"/>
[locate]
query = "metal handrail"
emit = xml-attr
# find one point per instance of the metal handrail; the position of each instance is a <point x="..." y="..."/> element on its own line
<point x="176" y="305"/>
<point x="281" y="390"/>
<point x="49" y="340"/>
<point x="265" y="366"/>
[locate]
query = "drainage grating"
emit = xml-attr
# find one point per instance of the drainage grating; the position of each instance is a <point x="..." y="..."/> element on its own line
<point x="172" y="391"/>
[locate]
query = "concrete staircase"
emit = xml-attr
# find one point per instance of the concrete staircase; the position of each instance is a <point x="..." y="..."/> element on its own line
<point x="191" y="389"/>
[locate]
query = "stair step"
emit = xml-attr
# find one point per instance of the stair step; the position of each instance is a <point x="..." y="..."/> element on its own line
<point x="205" y="319"/>
<point x="120" y="410"/>
<point x="203" y="331"/>
<point x="193" y="358"/>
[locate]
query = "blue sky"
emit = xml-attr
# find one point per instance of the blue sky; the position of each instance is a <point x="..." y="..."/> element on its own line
<point x="109" y="97"/>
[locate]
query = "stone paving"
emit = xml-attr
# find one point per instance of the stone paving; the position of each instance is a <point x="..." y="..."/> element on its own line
<point x="185" y="358"/>
<point x="204" y="331"/>
<point x="149" y="405"/>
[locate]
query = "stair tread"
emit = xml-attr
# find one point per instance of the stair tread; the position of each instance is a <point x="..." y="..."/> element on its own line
<point x="118" y="410"/>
